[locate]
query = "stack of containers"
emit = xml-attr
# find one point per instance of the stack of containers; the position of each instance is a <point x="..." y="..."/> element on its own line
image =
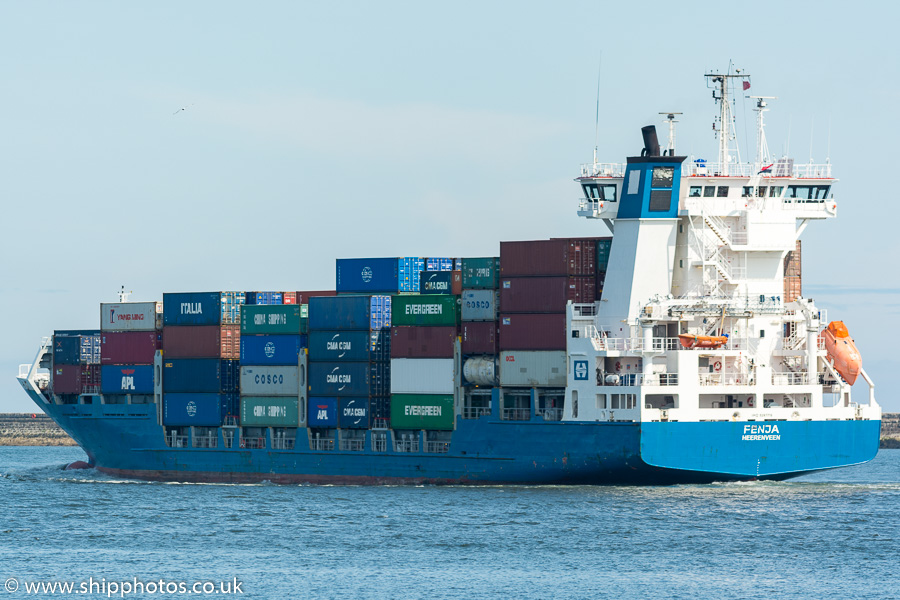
<point x="424" y="330"/>
<point x="76" y="362"/>
<point x="479" y="306"/>
<point x="537" y="279"/>
<point x="793" y="275"/>
<point x="200" y="351"/>
<point x="349" y="360"/>
<point x="271" y="363"/>
<point x="604" y="245"/>
<point x="378" y="275"/>
<point x="129" y="339"/>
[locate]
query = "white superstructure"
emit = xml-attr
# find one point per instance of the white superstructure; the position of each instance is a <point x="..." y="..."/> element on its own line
<point x="710" y="266"/>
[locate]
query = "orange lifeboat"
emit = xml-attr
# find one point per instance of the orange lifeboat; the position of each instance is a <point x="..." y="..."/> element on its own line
<point x="842" y="351"/>
<point x="702" y="341"/>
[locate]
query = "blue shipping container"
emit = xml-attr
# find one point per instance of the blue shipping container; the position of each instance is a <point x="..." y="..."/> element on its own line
<point x="264" y="298"/>
<point x="349" y="379"/>
<point x="410" y="268"/>
<point x="198" y="410"/>
<point x="322" y="412"/>
<point x="353" y="413"/>
<point x="362" y="346"/>
<point x="193" y="308"/>
<point x="271" y="349"/>
<point x="367" y="275"/>
<point x="200" y="375"/>
<point x="126" y="379"/>
<point x="76" y="348"/>
<point x="439" y="264"/>
<point x="349" y="312"/>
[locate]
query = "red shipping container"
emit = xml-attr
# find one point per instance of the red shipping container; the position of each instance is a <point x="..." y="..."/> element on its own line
<point x="545" y="331"/>
<point x="289" y="297"/>
<point x="303" y="297"/>
<point x="456" y="283"/>
<point x="422" y="342"/>
<point x="202" y="341"/>
<point x="545" y="294"/>
<point x="129" y="347"/>
<point x="67" y="379"/>
<point x="479" y="337"/>
<point x="76" y="379"/>
<point x="559" y="256"/>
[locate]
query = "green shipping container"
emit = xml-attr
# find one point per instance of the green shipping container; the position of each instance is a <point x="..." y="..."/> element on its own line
<point x="304" y="318"/>
<point x="481" y="273"/>
<point x="422" y="411"/>
<point x="424" y="310"/>
<point x="270" y="318"/>
<point x="603" y="247"/>
<point x="269" y="411"/>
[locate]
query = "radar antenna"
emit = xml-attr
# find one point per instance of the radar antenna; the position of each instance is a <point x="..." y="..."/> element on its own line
<point x="670" y="117"/>
<point x="123" y="295"/>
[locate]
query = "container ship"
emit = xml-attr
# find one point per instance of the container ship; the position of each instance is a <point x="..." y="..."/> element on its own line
<point x="678" y="350"/>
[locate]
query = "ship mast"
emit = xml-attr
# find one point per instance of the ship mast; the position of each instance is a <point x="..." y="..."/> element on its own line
<point x="670" y="117"/>
<point x="726" y="132"/>
<point x="762" y="146"/>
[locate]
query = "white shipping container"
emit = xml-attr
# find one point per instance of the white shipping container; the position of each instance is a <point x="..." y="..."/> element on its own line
<point x="422" y="376"/>
<point x="130" y="316"/>
<point x="480" y="305"/>
<point x="270" y="381"/>
<point x="533" y="368"/>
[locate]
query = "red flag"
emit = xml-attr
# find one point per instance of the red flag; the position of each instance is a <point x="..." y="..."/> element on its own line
<point x="746" y="85"/>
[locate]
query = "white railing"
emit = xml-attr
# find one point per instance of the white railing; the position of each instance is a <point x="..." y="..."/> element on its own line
<point x="407" y="445"/>
<point x="177" y="441"/>
<point x="253" y="443"/>
<point x="668" y="344"/>
<point x="206" y="441"/>
<point x="321" y="444"/>
<point x="584" y="310"/>
<point x="516" y="414"/>
<point x="282" y="443"/>
<point x="353" y="444"/>
<point x="663" y="379"/>
<point x="551" y="414"/>
<point x="789" y="378"/>
<point x="475" y="412"/>
<point x="437" y="447"/>
<point x="712" y="169"/>
<point x="739" y="378"/>
<point x="379" y="442"/>
<point x="603" y="170"/>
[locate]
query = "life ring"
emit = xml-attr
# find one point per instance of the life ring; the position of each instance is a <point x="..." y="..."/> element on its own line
<point x="750" y="401"/>
<point x="242" y="443"/>
<point x="618" y="366"/>
<point x="717" y="366"/>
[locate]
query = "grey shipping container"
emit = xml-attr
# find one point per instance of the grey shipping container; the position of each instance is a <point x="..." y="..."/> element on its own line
<point x="533" y="368"/>
<point x="130" y="316"/>
<point x="270" y="381"/>
<point x="480" y="305"/>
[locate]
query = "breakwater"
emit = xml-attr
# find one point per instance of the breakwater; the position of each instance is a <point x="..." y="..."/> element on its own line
<point x="31" y="429"/>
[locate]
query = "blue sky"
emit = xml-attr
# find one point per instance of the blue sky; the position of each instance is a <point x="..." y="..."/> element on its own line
<point x="320" y="130"/>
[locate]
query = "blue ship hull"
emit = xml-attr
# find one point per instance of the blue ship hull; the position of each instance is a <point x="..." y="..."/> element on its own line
<point x="125" y="440"/>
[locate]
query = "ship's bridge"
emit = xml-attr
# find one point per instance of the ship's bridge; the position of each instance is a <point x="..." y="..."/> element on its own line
<point x="806" y="190"/>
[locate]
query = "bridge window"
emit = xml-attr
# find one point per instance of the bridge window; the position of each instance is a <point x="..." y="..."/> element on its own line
<point x="723" y="191"/>
<point x="775" y="191"/>
<point x="812" y="193"/>
<point x="747" y="191"/>
<point x="695" y="191"/>
<point x="663" y="176"/>
<point x="709" y="191"/>
<point x="600" y="192"/>
<point x="762" y="191"/>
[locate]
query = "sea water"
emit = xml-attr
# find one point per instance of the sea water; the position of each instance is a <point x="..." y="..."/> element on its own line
<point x="834" y="534"/>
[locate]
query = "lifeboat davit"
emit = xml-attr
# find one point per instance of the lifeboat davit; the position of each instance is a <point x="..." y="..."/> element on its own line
<point x="702" y="341"/>
<point x="842" y="352"/>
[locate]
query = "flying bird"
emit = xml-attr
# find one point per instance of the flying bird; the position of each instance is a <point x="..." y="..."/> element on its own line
<point x="181" y="109"/>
